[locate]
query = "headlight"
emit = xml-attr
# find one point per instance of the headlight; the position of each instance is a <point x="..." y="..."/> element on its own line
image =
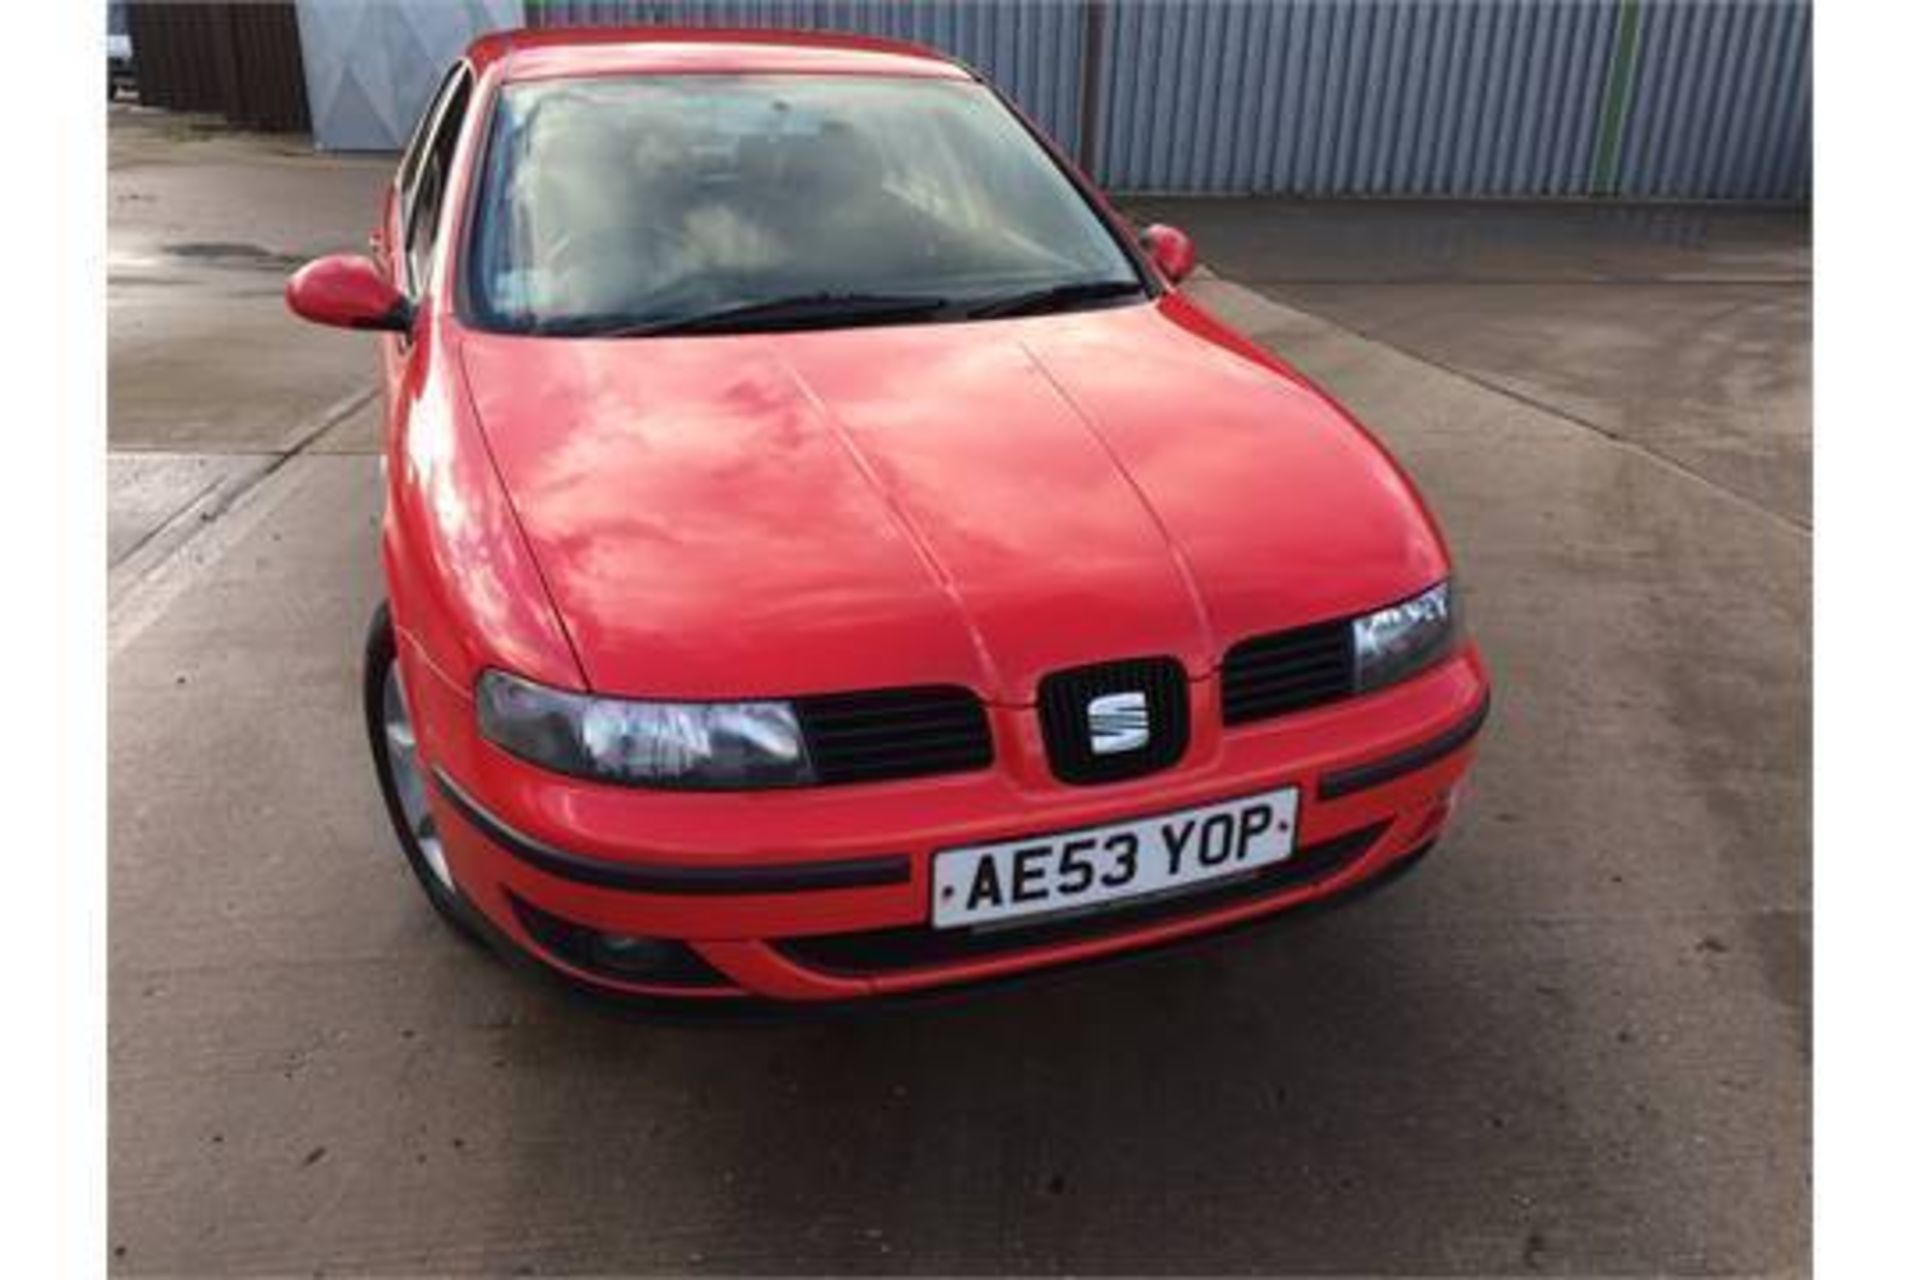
<point x="661" y="744"/>
<point x="1398" y="641"/>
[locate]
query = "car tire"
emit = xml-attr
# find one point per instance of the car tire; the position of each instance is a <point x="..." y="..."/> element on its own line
<point x="404" y="792"/>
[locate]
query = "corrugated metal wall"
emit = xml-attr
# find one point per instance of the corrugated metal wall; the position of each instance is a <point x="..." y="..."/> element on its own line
<point x="1329" y="98"/>
<point x="1673" y="98"/>
<point x="1668" y="98"/>
<point x="1722" y="103"/>
<point x="1031" y="49"/>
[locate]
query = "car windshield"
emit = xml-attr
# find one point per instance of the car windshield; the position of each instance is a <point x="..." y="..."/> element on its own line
<point x="629" y="204"/>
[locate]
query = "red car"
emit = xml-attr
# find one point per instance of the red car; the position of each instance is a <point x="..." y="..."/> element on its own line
<point x="828" y="557"/>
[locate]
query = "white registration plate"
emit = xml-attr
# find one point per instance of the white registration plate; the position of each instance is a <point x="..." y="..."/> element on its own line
<point x="1072" y="870"/>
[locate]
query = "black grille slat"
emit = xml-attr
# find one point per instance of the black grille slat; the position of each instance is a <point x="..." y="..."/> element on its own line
<point x="1315" y="676"/>
<point x="951" y="761"/>
<point x="1320" y="638"/>
<point x="1254" y="711"/>
<point x="921" y="946"/>
<point x="1064" y="699"/>
<point x="1254" y="665"/>
<point x="1279" y="694"/>
<point x="1337" y="676"/>
<point x="1287" y="671"/>
<point x="886" y="746"/>
<point x="882" y="707"/>
<point x="894" y="733"/>
<point x="886" y="729"/>
<point x="1250" y="709"/>
<point x="958" y="753"/>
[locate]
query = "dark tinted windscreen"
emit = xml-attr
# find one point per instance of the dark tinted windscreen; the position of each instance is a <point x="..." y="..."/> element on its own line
<point x="639" y="200"/>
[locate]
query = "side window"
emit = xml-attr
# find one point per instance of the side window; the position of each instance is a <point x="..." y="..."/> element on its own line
<point x="430" y="181"/>
<point x="417" y="142"/>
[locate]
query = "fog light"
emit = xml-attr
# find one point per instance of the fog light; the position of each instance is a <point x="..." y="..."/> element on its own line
<point x="624" y="957"/>
<point x="622" y="953"/>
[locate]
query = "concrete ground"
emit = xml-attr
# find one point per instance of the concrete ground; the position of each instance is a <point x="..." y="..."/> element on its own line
<point x="210" y="380"/>
<point x="1575" y="1042"/>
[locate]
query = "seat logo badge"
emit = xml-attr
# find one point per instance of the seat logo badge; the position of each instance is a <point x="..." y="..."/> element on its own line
<point x="1117" y="722"/>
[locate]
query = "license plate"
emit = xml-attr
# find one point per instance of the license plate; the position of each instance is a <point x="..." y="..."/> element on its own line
<point x="1072" y="870"/>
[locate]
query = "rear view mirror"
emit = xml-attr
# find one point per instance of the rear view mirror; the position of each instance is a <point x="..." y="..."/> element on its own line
<point x="1170" y="250"/>
<point x="347" y="291"/>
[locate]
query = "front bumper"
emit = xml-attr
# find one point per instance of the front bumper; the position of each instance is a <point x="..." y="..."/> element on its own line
<point x="824" y="894"/>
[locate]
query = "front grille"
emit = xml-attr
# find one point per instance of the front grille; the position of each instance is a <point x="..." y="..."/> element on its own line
<point x="894" y="733"/>
<point x="919" y="946"/>
<point x="1287" y="671"/>
<point x="1065" y="704"/>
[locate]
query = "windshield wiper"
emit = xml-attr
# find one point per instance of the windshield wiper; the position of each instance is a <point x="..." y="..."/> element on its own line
<point x="798" y="311"/>
<point x="1053" y="298"/>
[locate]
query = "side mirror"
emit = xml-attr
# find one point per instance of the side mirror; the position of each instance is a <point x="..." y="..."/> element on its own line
<point x="1170" y="250"/>
<point x="347" y="291"/>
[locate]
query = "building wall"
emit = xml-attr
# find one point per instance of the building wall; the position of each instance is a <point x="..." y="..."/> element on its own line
<point x="1032" y="49"/>
<point x="1721" y="103"/>
<point x="1664" y="98"/>
<point x="1688" y="99"/>
<point x="1357" y="99"/>
<point x="238" y="61"/>
<point x="371" y="65"/>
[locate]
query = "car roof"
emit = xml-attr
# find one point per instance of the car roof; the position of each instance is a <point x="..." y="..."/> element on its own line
<point x="547" y="52"/>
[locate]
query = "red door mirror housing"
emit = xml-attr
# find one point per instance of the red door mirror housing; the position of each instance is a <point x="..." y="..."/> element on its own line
<point x="1171" y="251"/>
<point x="347" y="291"/>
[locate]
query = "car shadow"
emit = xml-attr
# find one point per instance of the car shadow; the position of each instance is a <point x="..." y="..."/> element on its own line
<point x="1345" y="1064"/>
